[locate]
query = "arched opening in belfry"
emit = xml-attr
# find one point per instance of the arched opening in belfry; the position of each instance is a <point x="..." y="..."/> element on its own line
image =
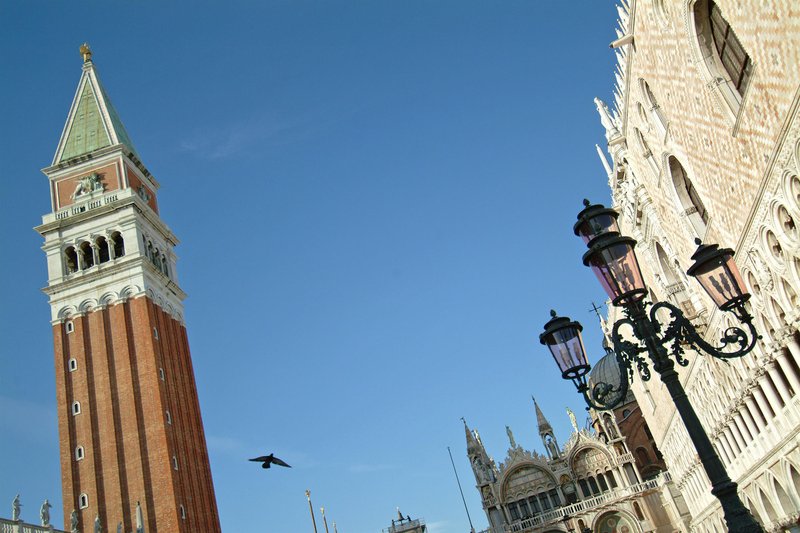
<point x="118" y="244"/>
<point x="71" y="260"/>
<point x="87" y="255"/>
<point x="103" y="254"/>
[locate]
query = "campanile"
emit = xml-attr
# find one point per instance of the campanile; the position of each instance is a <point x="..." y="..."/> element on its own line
<point x="132" y="446"/>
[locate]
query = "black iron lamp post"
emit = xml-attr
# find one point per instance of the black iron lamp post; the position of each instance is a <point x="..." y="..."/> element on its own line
<point x="613" y="260"/>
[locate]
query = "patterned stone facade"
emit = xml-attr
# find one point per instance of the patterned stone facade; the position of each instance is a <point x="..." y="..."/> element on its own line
<point x="695" y="156"/>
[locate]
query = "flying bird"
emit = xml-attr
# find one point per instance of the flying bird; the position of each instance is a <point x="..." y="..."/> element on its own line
<point x="268" y="460"/>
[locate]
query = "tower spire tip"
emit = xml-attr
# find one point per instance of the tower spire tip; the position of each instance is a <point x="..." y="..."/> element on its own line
<point x="86" y="52"/>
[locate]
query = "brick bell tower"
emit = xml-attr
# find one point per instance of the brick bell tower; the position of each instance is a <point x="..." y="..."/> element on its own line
<point x="133" y="451"/>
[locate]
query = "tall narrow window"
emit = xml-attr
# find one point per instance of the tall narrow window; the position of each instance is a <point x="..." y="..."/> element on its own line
<point x="70" y="326"/>
<point x="691" y="204"/>
<point x="730" y="51"/>
<point x="655" y="109"/>
<point x="87" y="255"/>
<point x="72" y="365"/>
<point x="76" y="408"/>
<point x="79" y="453"/>
<point x="728" y="64"/>
<point x="71" y="260"/>
<point x="83" y="501"/>
<point x="103" y="254"/>
<point x="118" y="244"/>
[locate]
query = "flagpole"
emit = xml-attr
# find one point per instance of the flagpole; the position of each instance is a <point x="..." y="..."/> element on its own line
<point x="471" y="528"/>
<point x="324" y="520"/>
<point x="311" y="510"/>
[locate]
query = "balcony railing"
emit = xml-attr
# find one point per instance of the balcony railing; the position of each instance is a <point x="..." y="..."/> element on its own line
<point x="583" y="506"/>
<point x="15" y="526"/>
<point x="92" y="201"/>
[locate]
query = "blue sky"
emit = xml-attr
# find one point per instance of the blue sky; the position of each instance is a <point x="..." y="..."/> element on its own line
<point x="375" y="204"/>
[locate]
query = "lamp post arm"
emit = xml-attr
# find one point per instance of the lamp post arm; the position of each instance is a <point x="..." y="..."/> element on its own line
<point x="680" y="331"/>
<point x="629" y="353"/>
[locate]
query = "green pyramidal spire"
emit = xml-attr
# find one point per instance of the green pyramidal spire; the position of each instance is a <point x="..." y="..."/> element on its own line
<point x="93" y="123"/>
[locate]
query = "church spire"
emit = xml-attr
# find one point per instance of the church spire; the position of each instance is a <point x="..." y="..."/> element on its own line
<point x="92" y="123"/>
<point x="541" y="421"/>
<point x="473" y="444"/>
<point x="546" y="433"/>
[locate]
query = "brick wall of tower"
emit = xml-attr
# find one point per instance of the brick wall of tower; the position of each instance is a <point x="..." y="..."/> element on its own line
<point x="129" y="444"/>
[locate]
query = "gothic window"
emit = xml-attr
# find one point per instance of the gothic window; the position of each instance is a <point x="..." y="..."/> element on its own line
<point x="87" y="255"/>
<point x="729" y="50"/>
<point x="72" y="365"/>
<point x="102" y="250"/>
<point x="584" y="488"/>
<point x="786" y="223"/>
<point x="723" y="53"/>
<point x="83" y="501"/>
<point x="71" y="260"/>
<point x="523" y="508"/>
<point x="655" y="109"/>
<point x="691" y="204"/>
<point x="546" y="506"/>
<point x="534" y="505"/>
<point x="118" y="244"/>
<point x="794" y="188"/>
<point x="774" y="246"/>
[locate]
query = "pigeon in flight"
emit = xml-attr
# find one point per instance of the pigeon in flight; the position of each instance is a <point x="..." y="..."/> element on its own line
<point x="268" y="460"/>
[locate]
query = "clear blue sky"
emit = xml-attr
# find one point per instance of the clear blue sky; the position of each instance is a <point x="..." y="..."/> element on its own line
<point x="375" y="202"/>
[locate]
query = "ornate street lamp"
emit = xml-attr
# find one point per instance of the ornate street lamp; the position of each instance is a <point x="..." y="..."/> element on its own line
<point x="612" y="258"/>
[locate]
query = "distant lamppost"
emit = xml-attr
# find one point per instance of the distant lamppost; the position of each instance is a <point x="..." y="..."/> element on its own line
<point x="613" y="260"/>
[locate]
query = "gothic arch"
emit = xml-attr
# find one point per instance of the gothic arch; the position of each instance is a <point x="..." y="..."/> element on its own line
<point x="785" y="223"/>
<point x="772" y="247"/>
<point x="513" y="473"/>
<point x="577" y="450"/>
<point x="610" y="520"/>
<point x="728" y="93"/>
<point x="689" y="203"/>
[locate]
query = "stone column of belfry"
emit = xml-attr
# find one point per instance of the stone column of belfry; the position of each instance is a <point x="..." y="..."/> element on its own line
<point x="122" y="355"/>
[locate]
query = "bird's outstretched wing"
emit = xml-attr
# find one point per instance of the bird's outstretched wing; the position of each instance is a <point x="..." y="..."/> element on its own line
<point x="279" y="462"/>
<point x="262" y="458"/>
